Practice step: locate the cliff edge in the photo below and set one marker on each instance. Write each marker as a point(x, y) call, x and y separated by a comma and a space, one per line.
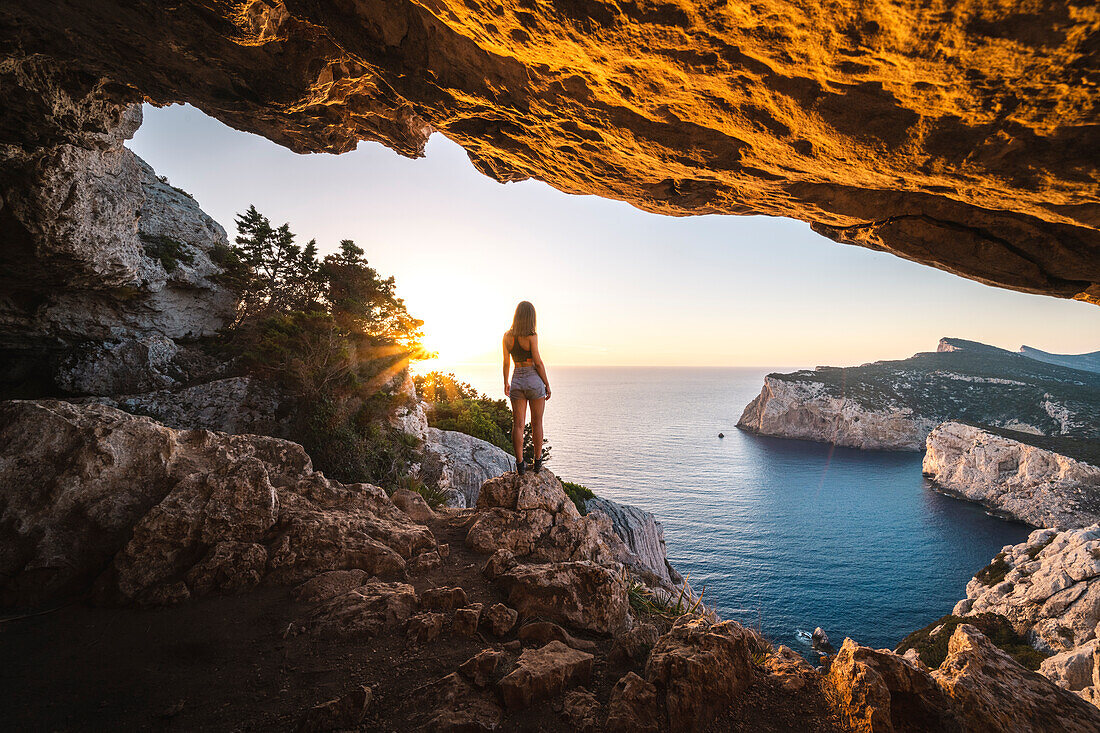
point(894, 405)
point(1008, 473)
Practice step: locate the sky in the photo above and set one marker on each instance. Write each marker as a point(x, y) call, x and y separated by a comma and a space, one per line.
point(612, 285)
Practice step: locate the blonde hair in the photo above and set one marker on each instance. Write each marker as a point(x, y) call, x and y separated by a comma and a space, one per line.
point(523, 322)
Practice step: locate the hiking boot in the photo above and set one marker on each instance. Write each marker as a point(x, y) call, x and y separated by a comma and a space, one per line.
point(521, 468)
point(538, 465)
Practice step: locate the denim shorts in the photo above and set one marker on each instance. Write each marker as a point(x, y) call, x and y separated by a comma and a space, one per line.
point(526, 384)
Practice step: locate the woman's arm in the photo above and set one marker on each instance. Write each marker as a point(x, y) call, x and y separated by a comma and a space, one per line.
point(507, 358)
point(539, 366)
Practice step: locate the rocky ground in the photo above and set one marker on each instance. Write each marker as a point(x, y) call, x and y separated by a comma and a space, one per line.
point(196, 580)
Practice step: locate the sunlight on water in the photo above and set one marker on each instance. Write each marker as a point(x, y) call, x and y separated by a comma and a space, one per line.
point(787, 535)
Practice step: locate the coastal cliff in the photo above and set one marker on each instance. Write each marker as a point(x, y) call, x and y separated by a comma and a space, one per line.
point(894, 405)
point(806, 410)
point(1007, 473)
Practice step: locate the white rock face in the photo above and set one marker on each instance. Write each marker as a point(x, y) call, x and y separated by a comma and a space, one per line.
point(1051, 592)
point(642, 533)
point(804, 410)
point(1034, 485)
point(460, 464)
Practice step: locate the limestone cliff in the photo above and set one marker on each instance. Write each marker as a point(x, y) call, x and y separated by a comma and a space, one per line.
point(643, 535)
point(962, 137)
point(806, 410)
point(894, 405)
point(1027, 482)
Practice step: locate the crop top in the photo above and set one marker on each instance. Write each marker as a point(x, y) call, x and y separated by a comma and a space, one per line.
point(518, 352)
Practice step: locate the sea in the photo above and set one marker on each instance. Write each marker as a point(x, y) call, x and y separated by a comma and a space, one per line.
point(781, 535)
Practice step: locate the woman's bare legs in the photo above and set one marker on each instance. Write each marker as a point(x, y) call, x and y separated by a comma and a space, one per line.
point(537, 407)
point(519, 419)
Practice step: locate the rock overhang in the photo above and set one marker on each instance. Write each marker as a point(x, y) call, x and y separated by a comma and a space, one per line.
point(964, 139)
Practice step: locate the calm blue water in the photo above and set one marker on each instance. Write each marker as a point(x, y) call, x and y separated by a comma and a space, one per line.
point(787, 535)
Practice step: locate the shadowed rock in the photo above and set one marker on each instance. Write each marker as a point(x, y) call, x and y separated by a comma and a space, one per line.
point(156, 515)
point(545, 672)
point(699, 668)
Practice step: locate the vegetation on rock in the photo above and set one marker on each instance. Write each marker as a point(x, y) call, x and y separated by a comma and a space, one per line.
point(579, 494)
point(931, 641)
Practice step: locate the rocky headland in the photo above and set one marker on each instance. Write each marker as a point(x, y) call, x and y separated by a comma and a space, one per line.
point(1018, 474)
point(895, 405)
point(1049, 590)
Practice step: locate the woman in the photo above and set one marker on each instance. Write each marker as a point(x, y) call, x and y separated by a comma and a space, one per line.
point(529, 382)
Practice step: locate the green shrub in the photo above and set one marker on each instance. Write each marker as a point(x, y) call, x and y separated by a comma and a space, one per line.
point(933, 649)
point(479, 417)
point(994, 572)
point(579, 494)
point(433, 495)
point(352, 446)
point(166, 250)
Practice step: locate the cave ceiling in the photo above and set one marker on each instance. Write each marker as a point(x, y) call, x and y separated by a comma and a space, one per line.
point(962, 135)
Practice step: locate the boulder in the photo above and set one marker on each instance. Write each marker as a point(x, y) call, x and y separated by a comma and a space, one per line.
point(545, 672)
point(227, 567)
point(876, 690)
point(152, 514)
point(699, 669)
point(363, 612)
point(458, 463)
point(501, 562)
point(326, 585)
point(538, 633)
point(424, 627)
point(459, 707)
point(500, 619)
point(581, 594)
point(990, 691)
point(340, 714)
point(425, 562)
point(231, 405)
point(633, 646)
point(581, 710)
point(820, 641)
point(789, 669)
point(1072, 670)
point(443, 599)
point(643, 535)
point(466, 620)
point(633, 706)
point(414, 505)
point(481, 667)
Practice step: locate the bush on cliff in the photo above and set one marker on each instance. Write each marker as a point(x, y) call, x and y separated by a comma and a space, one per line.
point(332, 333)
point(932, 648)
point(579, 494)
